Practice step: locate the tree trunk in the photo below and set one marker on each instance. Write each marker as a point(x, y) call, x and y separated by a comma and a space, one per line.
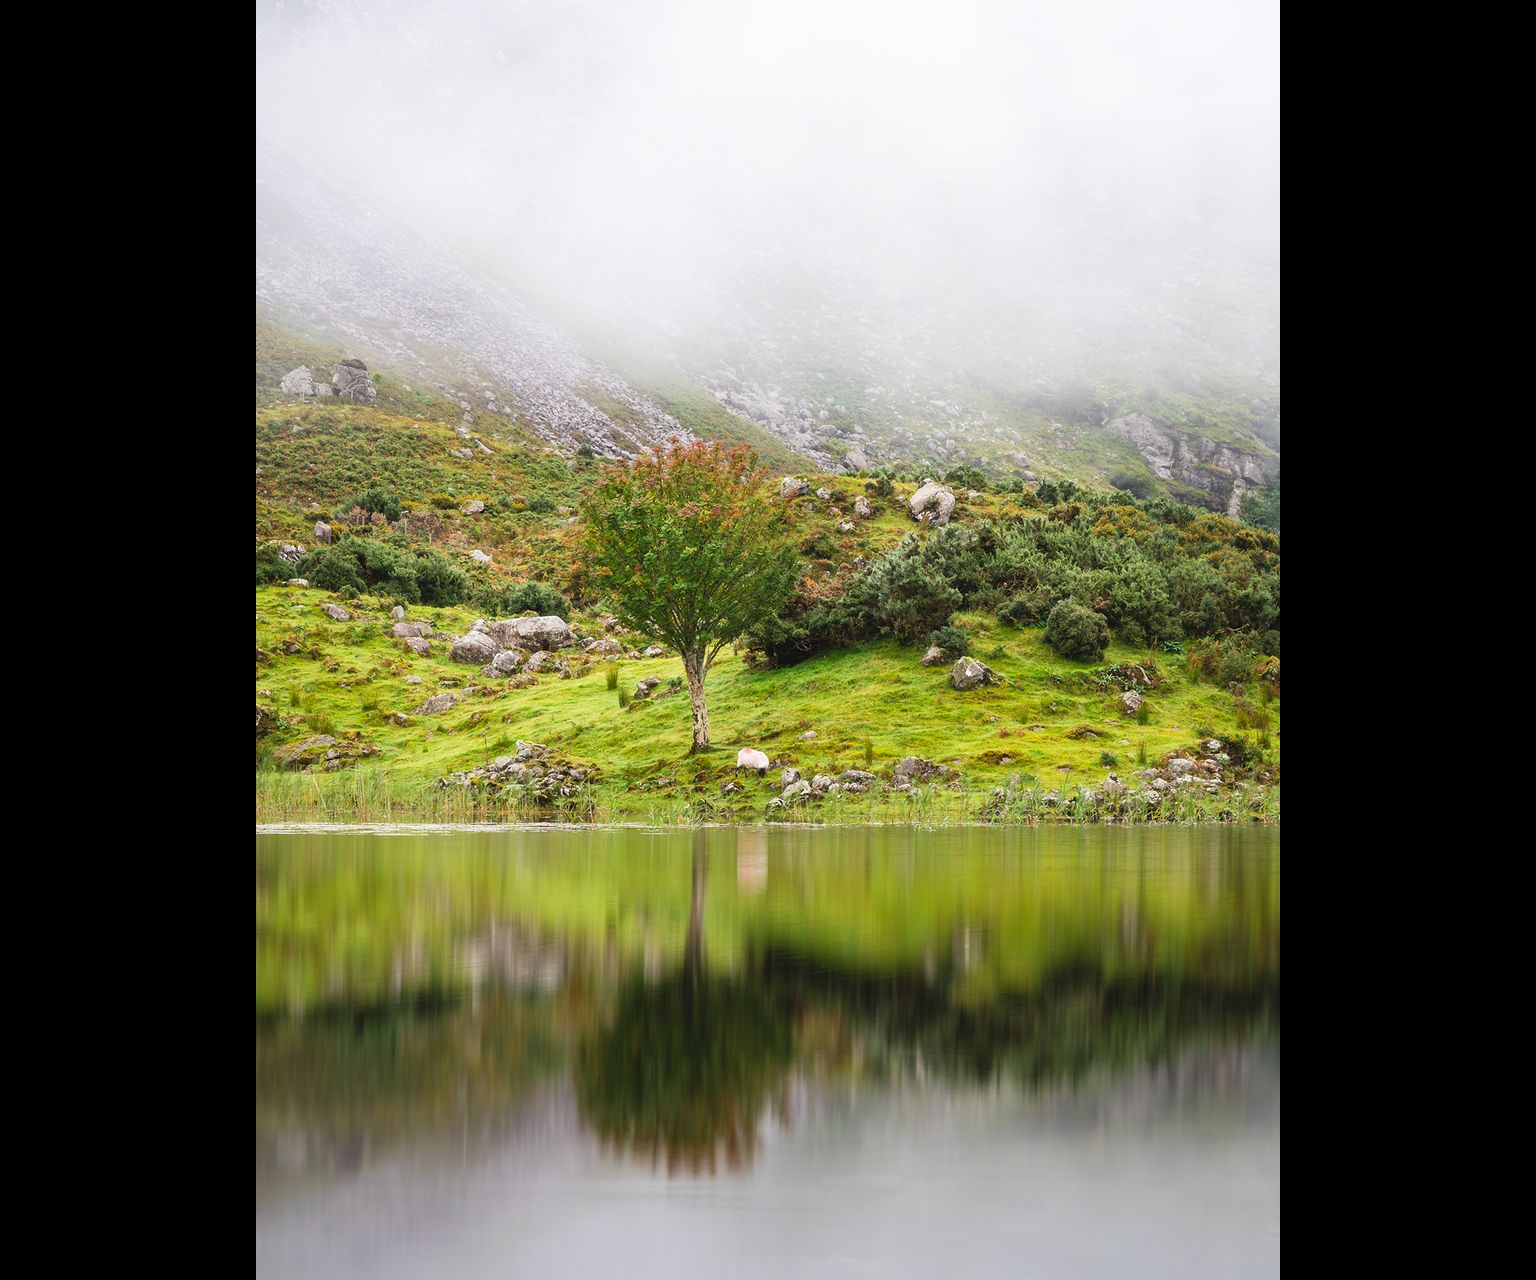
point(693, 947)
point(693, 665)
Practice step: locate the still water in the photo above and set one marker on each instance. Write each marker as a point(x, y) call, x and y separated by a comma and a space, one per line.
point(1026, 1053)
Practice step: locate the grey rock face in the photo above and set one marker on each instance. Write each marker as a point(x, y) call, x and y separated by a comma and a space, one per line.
point(935, 498)
point(335, 611)
point(1130, 701)
point(476, 648)
point(436, 704)
point(298, 382)
point(643, 687)
point(473, 508)
point(790, 487)
point(795, 791)
point(970, 674)
point(1175, 454)
point(654, 651)
point(351, 382)
point(547, 632)
point(409, 630)
point(790, 775)
point(417, 645)
point(856, 461)
point(824, 494)
point(480, 557)
point(322, 533)
point(505, 663)
point(934, 657)
point(915, 769)
point(862, 509)
point(397, 613)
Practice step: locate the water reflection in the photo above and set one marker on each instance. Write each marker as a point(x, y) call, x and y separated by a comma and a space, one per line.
point(439, 994)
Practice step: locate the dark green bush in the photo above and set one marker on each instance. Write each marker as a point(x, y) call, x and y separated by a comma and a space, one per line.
point(1076, 632)
point(953, 640)
point(375, 499)
point(506, 601)
point(333, 568)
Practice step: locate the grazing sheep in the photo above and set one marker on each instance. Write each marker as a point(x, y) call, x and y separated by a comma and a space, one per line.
point(747, 758)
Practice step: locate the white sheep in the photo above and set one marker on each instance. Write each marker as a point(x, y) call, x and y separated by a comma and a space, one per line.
point(748, 758)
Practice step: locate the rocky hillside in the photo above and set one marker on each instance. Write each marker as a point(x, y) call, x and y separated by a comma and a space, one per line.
point(827, 384)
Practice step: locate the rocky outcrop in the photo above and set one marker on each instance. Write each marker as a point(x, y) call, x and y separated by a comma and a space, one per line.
point(436, 704)
point(534, 772)
point(505, 663)
point(352, 383)
point(477, 648)
point(934, 657)
point(933, 498)
point(322, 532)
point(913, 769)
point(791, 487)
point(546, 632)
point(336, 612)
point(862, 509)
point(970, 674)
point(407, 630)
point(1172, 453)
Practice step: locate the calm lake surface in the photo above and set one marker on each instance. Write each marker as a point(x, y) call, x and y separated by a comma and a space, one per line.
point(1024, 1052)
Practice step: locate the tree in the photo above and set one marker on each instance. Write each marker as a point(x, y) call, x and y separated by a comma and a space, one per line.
point(688, 541)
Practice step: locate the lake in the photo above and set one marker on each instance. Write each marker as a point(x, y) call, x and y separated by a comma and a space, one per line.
point(1043, 1052)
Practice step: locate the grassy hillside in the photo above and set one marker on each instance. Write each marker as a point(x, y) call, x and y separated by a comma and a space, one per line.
point(1052, 725)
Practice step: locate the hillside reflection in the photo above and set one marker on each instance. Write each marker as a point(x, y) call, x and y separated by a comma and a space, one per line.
point(677, 990)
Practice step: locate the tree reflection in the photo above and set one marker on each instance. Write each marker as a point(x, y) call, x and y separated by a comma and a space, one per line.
point(689, 1064)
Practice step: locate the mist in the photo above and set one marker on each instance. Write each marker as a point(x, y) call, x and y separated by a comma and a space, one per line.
point(979, 181)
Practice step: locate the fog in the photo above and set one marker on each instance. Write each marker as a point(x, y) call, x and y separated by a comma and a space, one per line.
point(678, 174)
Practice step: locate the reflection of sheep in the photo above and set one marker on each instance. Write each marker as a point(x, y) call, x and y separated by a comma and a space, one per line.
point(747, 758)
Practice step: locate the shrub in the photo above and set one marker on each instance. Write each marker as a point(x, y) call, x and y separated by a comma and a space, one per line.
point(953, 640)
point(376, 499)
point(1109, 759)
point(507, 601)
point(1076, 632)
point(269, 566)
point(332, 568)
point(966, 476)
point(819, 546)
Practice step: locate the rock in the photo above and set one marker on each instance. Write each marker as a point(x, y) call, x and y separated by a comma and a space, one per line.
point(505, 663)
point(789, 776)
point(862, 509)
point(820, 783)
point(336, 611)
point(824, 494)
point(1212, 744)
point(807, 735)
point(290, 554)
point(414, 680)
point(933, 497)
point(397, 613)
point(855, 460)
point(476, 648)
point(473, 508)
point(795, 791)
point(790, 487)
point(934, 657)
point(422, 648)
point(436, 704)
point(298, 382)
point(915, 769)
point(654, 651)
point(351, 382)
point(265, 722)
point(643, 687)
point(406, 630)
point(322, 532)
point(969, 674)
point(298, 582)
point(1131, 701)
point(479, 557)
point(399, 718)
point(541, 660)
point(845, 526)
point(604, 646)
point(750, 758)
point(1179, 767)
point(855, 780)
point(547, 632)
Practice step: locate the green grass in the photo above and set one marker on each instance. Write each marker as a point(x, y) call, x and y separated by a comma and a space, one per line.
point(869, 706)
